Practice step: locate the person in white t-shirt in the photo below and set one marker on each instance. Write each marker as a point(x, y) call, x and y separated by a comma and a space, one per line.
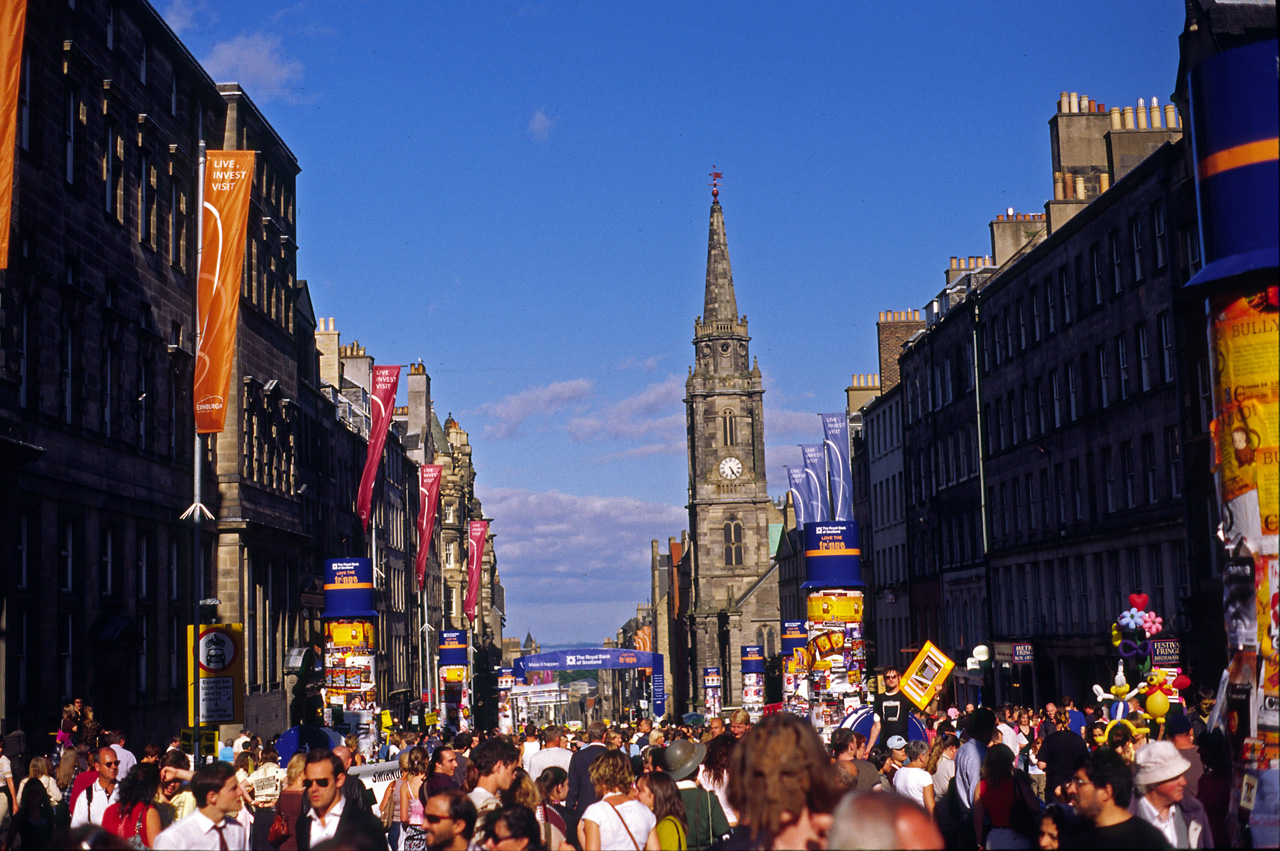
point(912, 780)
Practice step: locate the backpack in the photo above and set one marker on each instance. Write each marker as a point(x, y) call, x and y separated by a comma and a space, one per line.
point(36, 806)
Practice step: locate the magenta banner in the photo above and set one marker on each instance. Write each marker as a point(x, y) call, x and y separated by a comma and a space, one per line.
point(382, 403)
point(428, 496)
point(477, 532)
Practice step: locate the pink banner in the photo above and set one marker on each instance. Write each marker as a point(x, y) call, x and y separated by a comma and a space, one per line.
point(382, 403)
point(428, 497)
point(477, 532)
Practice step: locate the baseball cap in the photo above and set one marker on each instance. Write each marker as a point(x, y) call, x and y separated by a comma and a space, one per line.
point(896, 743)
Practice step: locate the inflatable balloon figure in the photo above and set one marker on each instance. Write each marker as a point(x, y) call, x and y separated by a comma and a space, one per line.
point(1131, 634)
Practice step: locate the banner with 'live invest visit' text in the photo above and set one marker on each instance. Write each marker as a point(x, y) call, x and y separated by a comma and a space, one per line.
point(224, 220)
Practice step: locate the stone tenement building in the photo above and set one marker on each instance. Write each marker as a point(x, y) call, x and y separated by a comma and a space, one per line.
point(730, 512)
point(95, 407)
point(1046, 486)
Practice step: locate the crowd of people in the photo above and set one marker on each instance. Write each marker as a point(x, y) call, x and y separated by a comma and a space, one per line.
point(1011, 777)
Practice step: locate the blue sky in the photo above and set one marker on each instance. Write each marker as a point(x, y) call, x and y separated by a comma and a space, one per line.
point(516, 194)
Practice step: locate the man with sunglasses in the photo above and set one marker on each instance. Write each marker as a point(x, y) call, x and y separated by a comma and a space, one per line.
point(450, 820)
point(891, 711)
point(331, 814)
point(93, 802)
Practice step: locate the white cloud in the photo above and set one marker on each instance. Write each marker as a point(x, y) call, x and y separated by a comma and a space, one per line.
point(540, 126)
point(656, 412)
point(643, 364)
point(181, 15)
point(257, 63)
point(575, 567)
point(804, 426)
point(513, 410)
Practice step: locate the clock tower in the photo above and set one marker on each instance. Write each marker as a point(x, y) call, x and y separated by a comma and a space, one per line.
point(735, 587)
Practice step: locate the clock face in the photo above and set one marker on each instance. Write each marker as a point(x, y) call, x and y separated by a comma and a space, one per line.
point(730, 468)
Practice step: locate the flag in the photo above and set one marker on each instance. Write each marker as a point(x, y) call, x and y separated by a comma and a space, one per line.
point(836, 431)
point(799, 495)
point(223, 224)
point(477, 532)
point(13, 23)
point(815, 470)
point(428, 496)
point(382, 402)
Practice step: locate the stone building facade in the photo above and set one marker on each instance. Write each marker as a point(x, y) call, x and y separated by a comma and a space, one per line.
point(729, 507)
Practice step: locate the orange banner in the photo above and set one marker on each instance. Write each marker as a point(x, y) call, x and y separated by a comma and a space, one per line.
point(13, 22)
point(224, 220)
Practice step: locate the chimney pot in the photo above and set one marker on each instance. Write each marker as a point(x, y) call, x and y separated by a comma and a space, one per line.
point(1142, 114)
point(1104, 181)
point(1170, 116)
point(1063, 101)
point(1080, 186)
point(1128, 118)
point(1115, 118)
point(1074, 103)
point(1068, 186)
point(1058, 191)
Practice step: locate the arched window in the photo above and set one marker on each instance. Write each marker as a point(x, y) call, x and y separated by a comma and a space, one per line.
point(729, 426)
point(733, 543)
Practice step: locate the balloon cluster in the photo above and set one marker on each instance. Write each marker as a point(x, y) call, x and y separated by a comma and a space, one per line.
point(1131, 634)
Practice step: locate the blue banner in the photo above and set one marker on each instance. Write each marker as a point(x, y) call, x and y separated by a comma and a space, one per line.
point(597, 658)
point(752, 659)
point(453, 648)
point(348, 588)
point(815, 472)
point(799, 495)
point(794, 635)
point(1233, 131)
point(832, 555)
point(835, 428)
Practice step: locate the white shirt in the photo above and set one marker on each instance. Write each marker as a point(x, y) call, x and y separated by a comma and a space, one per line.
point(127, 761)
point(92, 803)
point(638, 819)
point(196, 832)
point(1164, 824)
point(910, 782)
point(320, 832)
point(238, 744)
point(546, 758)
point(531, 749)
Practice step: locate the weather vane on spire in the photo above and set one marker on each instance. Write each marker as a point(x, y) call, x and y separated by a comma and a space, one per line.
point(716, 177)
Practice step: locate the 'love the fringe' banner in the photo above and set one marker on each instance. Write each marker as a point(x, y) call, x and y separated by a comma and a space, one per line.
point(224, 221)
point(382, 402)
point(428, 498)
point(13, 22)
point(477, 532)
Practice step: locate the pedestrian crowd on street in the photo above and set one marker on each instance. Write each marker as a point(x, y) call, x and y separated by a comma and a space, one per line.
point(1009, 777)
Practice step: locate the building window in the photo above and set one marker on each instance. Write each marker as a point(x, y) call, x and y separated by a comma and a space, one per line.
point(1135, 233)
point(1032, 504)
point(1035, 315)
point(1027, 421)
point(1072, 400)
point(1064, 282)
point(1049, 306)
point(144, 565)
point(1077, 494)
point(1164, 322)
point(1117, 260)
point(1017, 504)
point(1122, 366)
point(1191, 244)
point(1061, 486)
point(70, 120)
point(22, 550)
point(1022, 326)
point(1108, 481)
point(1135, 570)
point(143, 650)
point(23, 356)
point(1144, 358)
point(110, 561)
point(66, 654)
point(1149, 467)
point(1181, 576)
point(1173, 460)
point(108, 389)
point(175, 567)
point(69, 557)
point(733, 543)
point(1004, 508)
point(1157, 231)
point(67, 373)
point(1099, 286)
point(1204, 393)
point(729, 428)
point(147, 203)
point(1057, 398)
point(1129, 473)
point(1104, 380)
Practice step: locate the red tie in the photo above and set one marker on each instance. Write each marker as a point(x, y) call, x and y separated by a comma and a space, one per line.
point(222, 837)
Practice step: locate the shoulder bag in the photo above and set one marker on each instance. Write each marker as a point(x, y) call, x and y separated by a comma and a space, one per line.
point(625, 827)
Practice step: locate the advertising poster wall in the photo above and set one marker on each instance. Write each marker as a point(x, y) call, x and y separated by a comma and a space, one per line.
point(836, 654)
point(350, 666)
point(711, 683)
point(753, 680)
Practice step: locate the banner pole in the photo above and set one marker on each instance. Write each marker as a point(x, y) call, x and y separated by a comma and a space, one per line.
point(197, 508)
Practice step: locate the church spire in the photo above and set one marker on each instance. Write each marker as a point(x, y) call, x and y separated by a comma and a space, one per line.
point(720, 304)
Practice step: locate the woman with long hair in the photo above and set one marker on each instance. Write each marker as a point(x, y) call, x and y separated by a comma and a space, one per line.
point(291, 802)
point(90, 732)
point(33, 815)
point(1000, 796)
point(941, 762)
point(134, 816)
point(413, 832)
point(527, 793)
point(713, 773)
point(659, 792)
